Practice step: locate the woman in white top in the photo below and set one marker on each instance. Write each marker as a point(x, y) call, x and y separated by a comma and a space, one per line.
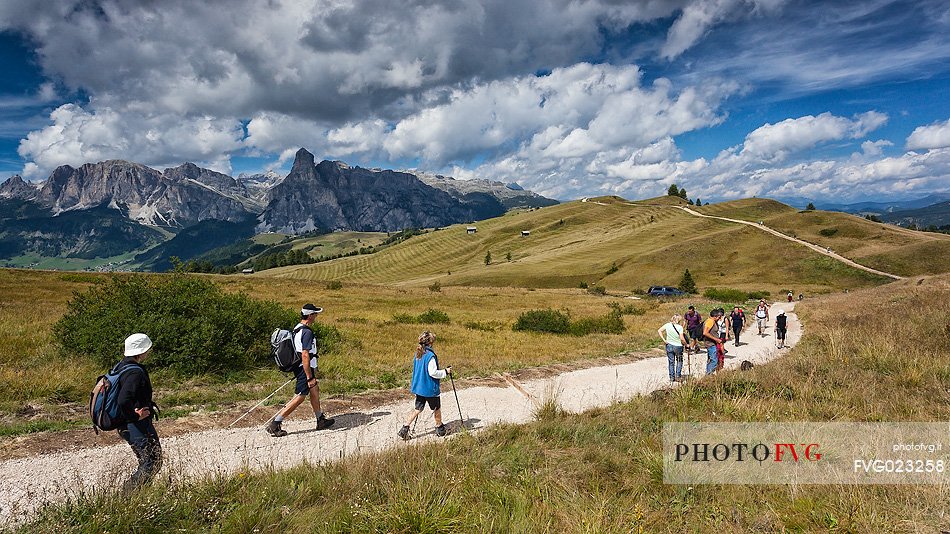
point(672, 335)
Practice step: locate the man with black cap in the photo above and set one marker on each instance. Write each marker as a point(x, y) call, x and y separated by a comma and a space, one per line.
point(305, 343)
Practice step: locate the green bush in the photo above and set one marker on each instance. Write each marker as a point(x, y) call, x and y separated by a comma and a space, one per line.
point(334, 285)
point(555, 322)
point(828, 232)
point(550, 321)
point(725, 294)
point(597, 290)
point(195, 326)
point(430, 316)
point(612, 323)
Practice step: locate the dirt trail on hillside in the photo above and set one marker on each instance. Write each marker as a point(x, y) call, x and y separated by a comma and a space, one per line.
point(28, 483)
point(812, 246)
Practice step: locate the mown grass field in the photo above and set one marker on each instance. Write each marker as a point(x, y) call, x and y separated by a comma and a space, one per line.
point(601, 471)
point(881, 246)
point(605, 241)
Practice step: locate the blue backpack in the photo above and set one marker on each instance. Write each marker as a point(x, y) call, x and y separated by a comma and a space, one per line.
point(103, 402)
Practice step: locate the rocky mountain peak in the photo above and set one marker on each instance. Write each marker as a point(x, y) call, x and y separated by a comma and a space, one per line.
point(303, 160)
point(17, 187)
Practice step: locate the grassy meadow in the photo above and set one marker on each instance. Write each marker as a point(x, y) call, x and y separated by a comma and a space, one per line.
point(601, 471)
point(44, 386)
point(606, 241)
point(881, 246)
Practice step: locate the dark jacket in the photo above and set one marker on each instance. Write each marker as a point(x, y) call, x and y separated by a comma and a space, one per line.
point(135, 390)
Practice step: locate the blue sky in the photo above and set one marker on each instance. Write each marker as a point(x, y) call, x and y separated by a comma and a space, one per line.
point(729, 98)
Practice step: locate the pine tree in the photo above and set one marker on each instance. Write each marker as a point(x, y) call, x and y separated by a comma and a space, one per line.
point(673, 191)
point(810, 207)
point(699, 202)
point(687, 284)
point(683, 193)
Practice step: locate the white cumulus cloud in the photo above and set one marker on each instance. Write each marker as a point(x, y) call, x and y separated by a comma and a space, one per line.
point(77, 136)
point(929, 137)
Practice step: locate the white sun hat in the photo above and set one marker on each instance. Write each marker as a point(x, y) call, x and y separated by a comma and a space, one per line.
point(137, 344)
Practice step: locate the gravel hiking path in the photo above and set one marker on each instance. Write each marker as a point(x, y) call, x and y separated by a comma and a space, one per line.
point(28, 483)
point(816, 248)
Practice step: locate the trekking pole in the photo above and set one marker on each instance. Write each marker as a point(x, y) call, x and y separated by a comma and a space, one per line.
point(459, 406)
point(262, 402)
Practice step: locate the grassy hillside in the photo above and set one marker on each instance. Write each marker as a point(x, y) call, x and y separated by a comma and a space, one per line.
point(601, 471)
point(603, 241)
point(881, 246)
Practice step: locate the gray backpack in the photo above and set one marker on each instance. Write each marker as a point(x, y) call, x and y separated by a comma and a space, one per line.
point(282, 348)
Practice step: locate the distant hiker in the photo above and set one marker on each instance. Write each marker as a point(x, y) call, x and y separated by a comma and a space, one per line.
point(136, 407)
point(737, 319)
point(761, 315)
point(723, 335)
point(425, 384)
point(781, 327)
point(725, 324)
point(790, 296)
point(712, 339)
point(673, 337)
point(694, 327)
point(800, 296)
point(305, 344)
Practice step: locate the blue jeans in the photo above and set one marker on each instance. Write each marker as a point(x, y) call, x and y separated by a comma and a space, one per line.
point(674, 354)
point(143, 439)
point(712, 359)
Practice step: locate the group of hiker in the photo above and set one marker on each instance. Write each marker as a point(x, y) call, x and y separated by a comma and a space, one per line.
point(133, 409)
point(689, 334)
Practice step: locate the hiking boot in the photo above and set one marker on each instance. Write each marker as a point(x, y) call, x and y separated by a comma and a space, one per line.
point(403, 433)
point(440, 431)
point(273, 428)
point(324, 422)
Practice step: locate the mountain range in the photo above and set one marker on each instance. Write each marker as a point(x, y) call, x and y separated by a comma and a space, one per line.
point(76, 204)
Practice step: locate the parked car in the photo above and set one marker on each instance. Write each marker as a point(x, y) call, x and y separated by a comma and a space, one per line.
point(664, 291)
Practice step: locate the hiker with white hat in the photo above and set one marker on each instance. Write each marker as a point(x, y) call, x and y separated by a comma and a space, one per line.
point(137, 410)
point(305, 344)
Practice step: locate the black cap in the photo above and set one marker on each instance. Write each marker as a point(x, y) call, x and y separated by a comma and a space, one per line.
point(310, 309)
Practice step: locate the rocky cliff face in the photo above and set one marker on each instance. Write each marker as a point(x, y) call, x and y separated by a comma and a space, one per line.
point(216, 181)
point(16, 187)
point(510, 195)
point(183, 197)
point(326, 196)
point(334, 196)
point(258, 185)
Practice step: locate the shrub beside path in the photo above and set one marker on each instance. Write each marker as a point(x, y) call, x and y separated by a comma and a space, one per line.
point(816, 248)
point(28, 483)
